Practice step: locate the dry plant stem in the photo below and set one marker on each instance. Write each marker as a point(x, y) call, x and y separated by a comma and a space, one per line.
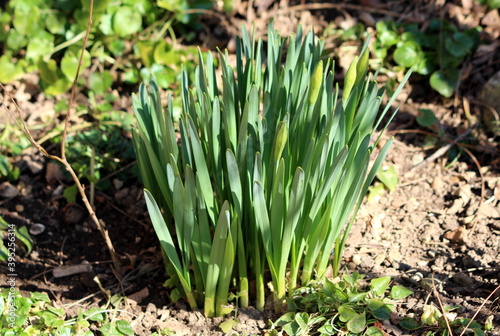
point(438, 297)
point(479, 309)
point(73, 87)
point(440, 152)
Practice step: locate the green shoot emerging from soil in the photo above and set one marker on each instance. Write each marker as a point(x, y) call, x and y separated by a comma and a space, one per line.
point(271, 166)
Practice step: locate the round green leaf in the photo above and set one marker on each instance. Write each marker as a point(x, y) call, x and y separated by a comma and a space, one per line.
point(162, 52)
point(426, 118)
point(426, 65)
point(7, 69)
point(116, 46)
point(40, 45)
point(379, 285)
point(459, 44)
point(347, 313)
point(100, 82)
point(399, 292)
point(357, 324)
point(60, 86)
point(48, 71)
point(55, 23)
point(373, 331)
point(444, 82)
point(407, 54)
point(409, 323)
point(126, 21)
point(124, 327)
point(131, 76)
point(15, 41)
point(27, 18)
point(388, 38)
point(69, 63)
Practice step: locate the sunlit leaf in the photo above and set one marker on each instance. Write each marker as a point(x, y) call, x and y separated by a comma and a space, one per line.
point(445, 82)
point(407, 54)
point(69, 63)
point(126, 21)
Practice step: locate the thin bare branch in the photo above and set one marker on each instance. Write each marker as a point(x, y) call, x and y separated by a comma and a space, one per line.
point(73, 88)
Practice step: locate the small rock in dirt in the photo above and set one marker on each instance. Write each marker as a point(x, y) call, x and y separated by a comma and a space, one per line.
point(73, 213)
point(463, 279)
point(7, 190)
point(34, 162)
point(37, 229)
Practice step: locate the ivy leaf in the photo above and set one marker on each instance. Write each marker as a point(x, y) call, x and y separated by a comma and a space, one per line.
point(126, 21)
point(444, 82)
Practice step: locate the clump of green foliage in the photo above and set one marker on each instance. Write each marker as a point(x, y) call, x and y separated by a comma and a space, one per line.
point(436, 52)
point(47, 36)
point(341, 306)
point(271, 165)
point(35, 315)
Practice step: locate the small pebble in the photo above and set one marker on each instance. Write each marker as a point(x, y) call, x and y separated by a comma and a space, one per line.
point(422, 263)
point(19, 208)
point(356, 259)
point(37, 229)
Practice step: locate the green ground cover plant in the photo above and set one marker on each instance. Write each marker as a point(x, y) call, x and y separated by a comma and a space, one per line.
point(342, 306)
point(436, 52)
point(127, 41)
point(36, 315)
point(271, 165)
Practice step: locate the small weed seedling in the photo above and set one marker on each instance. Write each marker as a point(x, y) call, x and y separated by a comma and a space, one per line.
point(21, 316)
